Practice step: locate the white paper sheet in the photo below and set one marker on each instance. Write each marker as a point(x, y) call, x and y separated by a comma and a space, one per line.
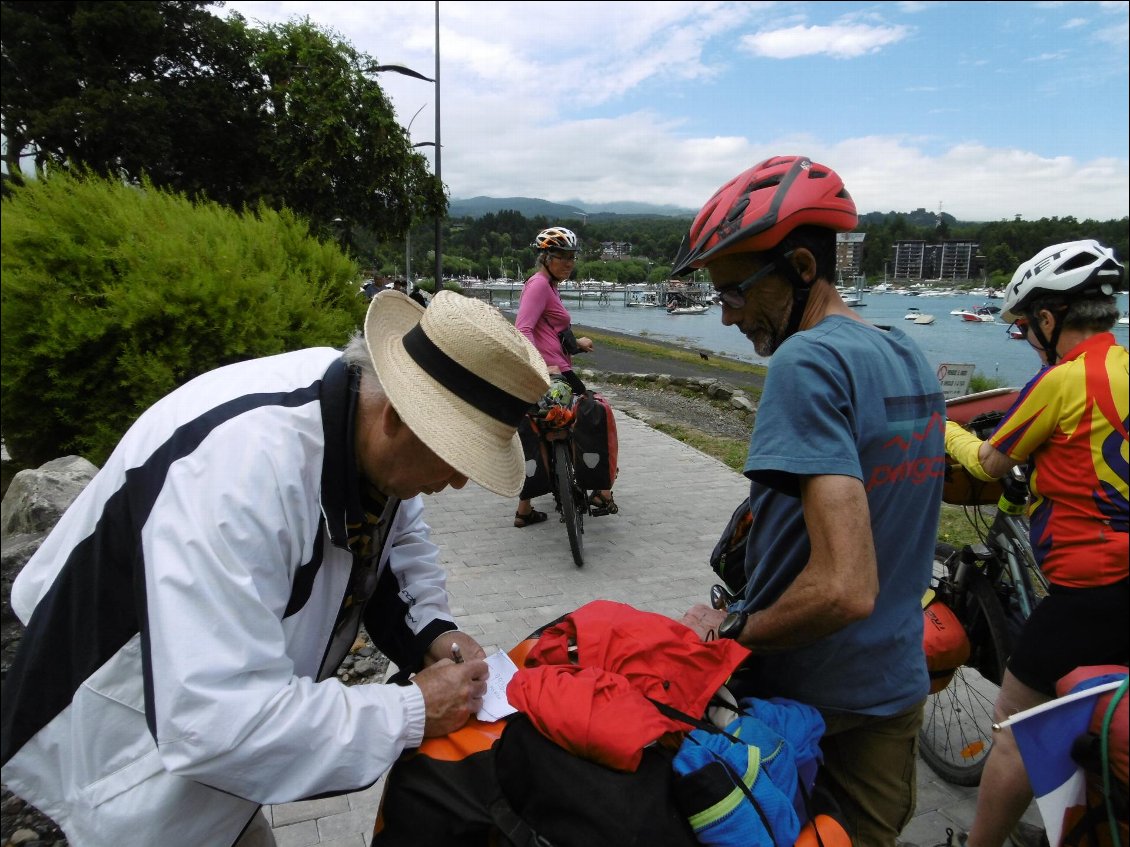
point(495, 704)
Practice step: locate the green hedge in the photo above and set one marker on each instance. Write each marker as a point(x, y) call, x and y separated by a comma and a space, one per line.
point(113, 295)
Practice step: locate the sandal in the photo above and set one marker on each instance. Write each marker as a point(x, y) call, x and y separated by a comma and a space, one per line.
point(532, 517)
point(600, 505)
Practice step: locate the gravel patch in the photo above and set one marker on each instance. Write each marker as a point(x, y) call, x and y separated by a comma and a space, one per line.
point(653, 404)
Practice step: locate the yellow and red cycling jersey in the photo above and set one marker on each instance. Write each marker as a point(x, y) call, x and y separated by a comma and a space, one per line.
point(1070, 424)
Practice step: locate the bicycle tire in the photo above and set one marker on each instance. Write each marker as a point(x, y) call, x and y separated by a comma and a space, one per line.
point(567, 499)
point(957, 723)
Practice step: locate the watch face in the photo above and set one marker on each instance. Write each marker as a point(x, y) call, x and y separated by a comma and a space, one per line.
point(732, 625)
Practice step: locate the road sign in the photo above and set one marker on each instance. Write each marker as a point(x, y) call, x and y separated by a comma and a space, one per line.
point(955, 379)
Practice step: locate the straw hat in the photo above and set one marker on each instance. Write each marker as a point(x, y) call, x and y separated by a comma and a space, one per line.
point(461, 376)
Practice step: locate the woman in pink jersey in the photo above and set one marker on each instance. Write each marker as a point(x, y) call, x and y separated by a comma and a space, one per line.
point(542, 318)
point(1070, 426)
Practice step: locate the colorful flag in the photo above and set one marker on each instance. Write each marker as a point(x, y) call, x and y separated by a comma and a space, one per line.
point(1044, 735)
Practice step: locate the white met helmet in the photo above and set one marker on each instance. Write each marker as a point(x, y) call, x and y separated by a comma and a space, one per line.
point(556, 238)
point(1075, 266)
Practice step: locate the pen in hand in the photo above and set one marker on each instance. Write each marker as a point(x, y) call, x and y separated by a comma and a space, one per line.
point(456, 653)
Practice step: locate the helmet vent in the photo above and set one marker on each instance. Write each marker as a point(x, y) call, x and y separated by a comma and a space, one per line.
point(1079, 260)
point(738, 210)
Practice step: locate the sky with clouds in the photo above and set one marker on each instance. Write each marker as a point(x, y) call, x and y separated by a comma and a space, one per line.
point(985, 110)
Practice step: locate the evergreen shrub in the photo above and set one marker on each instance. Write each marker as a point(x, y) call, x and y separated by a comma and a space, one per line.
point(112, 295)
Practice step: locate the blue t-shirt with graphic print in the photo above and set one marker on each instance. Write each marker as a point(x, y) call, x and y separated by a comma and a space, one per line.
point(847, 398)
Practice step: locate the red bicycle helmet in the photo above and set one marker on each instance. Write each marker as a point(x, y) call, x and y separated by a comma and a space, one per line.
point(755, 210)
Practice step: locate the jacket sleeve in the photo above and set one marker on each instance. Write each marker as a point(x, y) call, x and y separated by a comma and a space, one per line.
point(409, 608)
point(232, 701)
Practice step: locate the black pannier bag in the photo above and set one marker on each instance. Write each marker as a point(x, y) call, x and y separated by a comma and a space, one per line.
point(595, 443)
point(537, 480)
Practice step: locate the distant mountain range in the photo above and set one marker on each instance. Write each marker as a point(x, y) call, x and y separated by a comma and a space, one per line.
point(531, 207)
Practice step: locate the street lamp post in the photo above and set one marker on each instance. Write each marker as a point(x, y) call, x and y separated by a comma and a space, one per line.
point(401, 69)
point(439, 171)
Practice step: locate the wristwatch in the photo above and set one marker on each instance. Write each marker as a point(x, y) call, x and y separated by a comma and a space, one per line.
point(732, 625)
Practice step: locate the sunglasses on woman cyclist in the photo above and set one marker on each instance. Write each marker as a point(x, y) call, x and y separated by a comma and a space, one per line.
point(564, 257)
point(733, 296)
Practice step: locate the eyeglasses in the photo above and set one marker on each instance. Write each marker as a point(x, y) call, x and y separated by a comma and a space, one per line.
point(1018, 328)
point(563, 257)
point(734, 295)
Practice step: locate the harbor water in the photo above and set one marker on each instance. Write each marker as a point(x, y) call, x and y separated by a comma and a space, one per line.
point(948, 340)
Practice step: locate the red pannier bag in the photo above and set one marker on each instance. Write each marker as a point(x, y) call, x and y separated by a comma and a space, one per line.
point(945, 642)
point(595, 443)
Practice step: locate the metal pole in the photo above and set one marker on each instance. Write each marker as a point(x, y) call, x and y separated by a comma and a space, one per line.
point(408, 258)
point(439, 170)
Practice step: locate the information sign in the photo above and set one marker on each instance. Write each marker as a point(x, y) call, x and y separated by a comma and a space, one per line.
point(955, 379)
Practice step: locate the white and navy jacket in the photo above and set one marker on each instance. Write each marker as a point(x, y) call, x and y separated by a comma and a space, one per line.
point(180, 618)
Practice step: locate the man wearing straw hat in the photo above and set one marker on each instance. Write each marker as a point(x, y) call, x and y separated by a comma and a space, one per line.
point(187, 614)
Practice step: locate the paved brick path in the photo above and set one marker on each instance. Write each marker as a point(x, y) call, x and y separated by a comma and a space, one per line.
point(505, 582)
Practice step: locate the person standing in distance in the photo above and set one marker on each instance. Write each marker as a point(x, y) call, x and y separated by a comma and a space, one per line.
point(542, 318)
point(846, 469)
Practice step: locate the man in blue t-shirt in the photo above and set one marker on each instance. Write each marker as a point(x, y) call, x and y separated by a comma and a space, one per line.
point(846, 467)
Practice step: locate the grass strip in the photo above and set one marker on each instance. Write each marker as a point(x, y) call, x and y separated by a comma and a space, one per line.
point(654, 350)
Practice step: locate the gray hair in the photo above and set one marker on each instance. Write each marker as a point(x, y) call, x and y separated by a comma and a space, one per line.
point(356, 355)
point(1088, 313)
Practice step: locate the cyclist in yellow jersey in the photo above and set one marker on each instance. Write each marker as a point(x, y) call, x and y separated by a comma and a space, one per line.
point(1070, 425)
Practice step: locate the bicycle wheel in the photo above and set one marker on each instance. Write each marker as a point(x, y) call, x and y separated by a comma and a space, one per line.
point(957, 726)
point(568, 499)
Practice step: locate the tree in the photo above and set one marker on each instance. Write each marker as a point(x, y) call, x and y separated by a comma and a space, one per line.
point(291, 115)
point(129, 88)
point(335, 150)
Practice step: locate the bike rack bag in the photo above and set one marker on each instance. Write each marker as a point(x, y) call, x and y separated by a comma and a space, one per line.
point(945, 642)
point(595, 443)
point(537, 472)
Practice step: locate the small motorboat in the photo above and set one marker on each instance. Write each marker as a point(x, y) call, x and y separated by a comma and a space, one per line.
point(674, 309)
point(982, 314)
point(924, 319)
point(912, 313)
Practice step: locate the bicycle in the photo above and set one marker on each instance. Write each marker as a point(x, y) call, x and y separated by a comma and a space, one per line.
point(992, 587)
point(552, 420)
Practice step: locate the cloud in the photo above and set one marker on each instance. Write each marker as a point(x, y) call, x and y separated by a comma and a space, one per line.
point(1117, 34)
point(840, 41)
point(1075, 23)
point(644, 157)
point(612, 102)
point(976, 182)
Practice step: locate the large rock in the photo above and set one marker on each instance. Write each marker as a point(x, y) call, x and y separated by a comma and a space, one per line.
point(33, 504)
point(37, 498)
